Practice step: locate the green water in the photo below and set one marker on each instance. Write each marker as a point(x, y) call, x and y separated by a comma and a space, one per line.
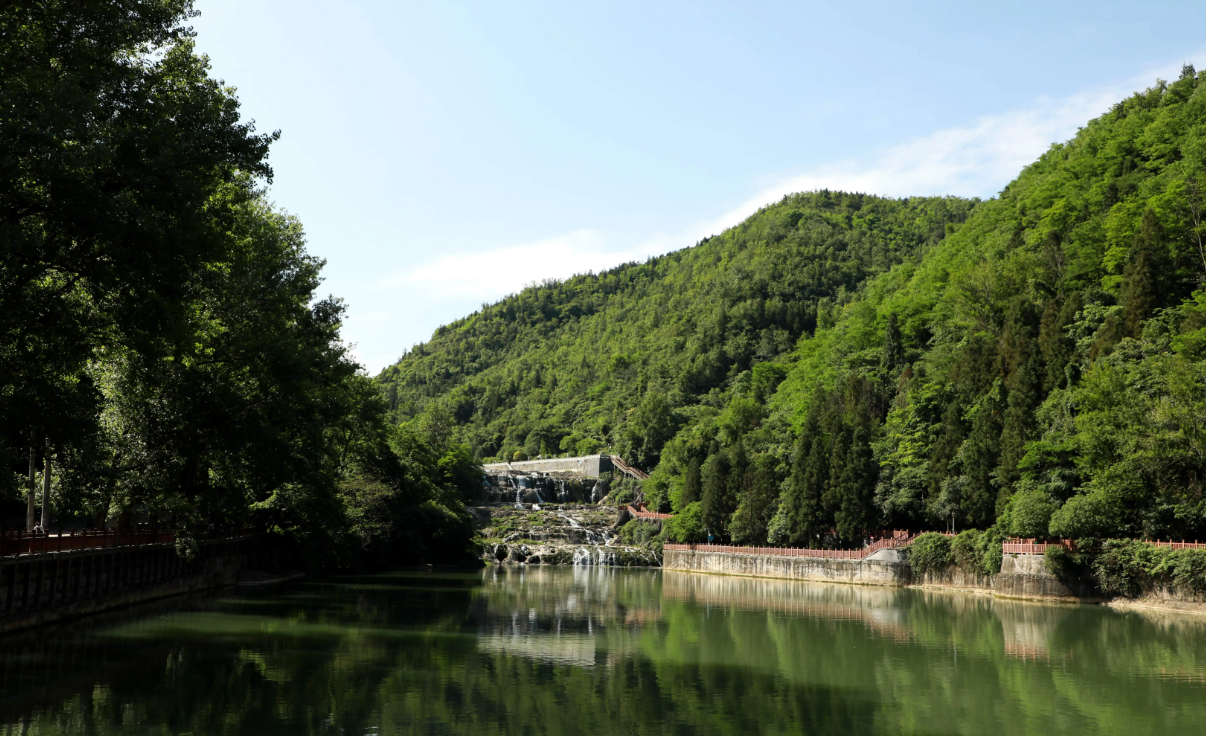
point(609, 651)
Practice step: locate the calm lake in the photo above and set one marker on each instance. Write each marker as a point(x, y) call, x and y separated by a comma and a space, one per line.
point(562, 650)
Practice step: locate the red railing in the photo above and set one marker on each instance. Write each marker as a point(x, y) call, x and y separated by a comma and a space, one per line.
point(643, 514)
point(1179, 545)
point(1031, 547)
point(26, 543)
point(899, 538)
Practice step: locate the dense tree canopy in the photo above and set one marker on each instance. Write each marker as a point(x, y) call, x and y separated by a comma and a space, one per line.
point(160, 334)
point(625, 359)
point(840, 363)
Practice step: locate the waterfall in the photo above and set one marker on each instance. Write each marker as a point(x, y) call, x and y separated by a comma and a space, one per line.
point(593, 557)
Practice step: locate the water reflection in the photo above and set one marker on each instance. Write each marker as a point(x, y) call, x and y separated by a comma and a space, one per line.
point(596, 650)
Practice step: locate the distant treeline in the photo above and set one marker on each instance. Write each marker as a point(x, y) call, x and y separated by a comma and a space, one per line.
point(161, 338)
point(1034, 364)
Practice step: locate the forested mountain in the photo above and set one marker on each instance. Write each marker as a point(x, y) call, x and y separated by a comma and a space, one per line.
point(623, 360)
point(162, 347)
point(1035, 363)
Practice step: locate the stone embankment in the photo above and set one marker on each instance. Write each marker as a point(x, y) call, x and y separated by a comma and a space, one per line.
point(1022, 576)
point(885, 567)
point(557, 534)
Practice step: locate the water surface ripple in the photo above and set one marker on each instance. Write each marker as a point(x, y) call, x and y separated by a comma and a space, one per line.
point(560, 650)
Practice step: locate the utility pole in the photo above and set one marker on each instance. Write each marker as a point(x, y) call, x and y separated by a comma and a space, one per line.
point(29, 504)
point(46, 492)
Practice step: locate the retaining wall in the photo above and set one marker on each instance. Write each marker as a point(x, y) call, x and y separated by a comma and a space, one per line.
point(885, 567)
point(1022, 576)
point(1026, 576)
point(45, 588)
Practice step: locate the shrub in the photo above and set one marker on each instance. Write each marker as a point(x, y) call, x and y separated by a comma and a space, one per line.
point(1088, 515)
point(686, 526)
point(639, 532)
point(1187, 571)
point(978, 552)
point(1132, 567)
point(989, 547)
point(966, 553)
point(1066, 565)
point(1125, 566)
point(930, 552)
point(1030, 513)
point(519, 456)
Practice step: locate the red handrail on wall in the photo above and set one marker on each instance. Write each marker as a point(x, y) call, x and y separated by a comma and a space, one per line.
point(642, 514)
point(899, 538)
point(27, 543)
point(1031, 547)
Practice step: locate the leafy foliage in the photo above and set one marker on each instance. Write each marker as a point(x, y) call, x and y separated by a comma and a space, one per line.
point(625, 360)
point(930, 552)
point(160, 334)
point(1132, 568)
point(1034, 364)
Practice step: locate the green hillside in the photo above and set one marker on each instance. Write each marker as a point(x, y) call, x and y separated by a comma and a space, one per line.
point(838, 363)
point(623, 360)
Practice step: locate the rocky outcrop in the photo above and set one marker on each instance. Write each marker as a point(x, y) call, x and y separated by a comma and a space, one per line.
point(558, 534)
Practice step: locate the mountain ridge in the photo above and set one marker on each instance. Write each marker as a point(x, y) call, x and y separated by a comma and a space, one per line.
point(839, 361)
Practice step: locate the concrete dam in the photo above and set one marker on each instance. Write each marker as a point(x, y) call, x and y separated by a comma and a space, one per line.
point(587, 466)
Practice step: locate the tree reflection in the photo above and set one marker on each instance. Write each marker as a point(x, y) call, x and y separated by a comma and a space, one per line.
point(588, 650)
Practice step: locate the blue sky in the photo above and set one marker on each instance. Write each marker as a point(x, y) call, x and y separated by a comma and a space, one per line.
point(445, 154)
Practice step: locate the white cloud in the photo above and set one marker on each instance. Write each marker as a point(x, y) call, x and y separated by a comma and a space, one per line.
point(491, 274)
point(975, 160)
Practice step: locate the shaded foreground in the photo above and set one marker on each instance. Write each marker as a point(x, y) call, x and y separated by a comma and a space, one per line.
point(599, 650)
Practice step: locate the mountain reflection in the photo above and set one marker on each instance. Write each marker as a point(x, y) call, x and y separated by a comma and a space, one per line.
point(597, 650)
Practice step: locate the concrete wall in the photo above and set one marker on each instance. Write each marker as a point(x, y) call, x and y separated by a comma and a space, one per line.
point(1026, 576)
point(41, 589)
point(956, 578)
point(1022, 576)
point(878, 569)
point(589, 466)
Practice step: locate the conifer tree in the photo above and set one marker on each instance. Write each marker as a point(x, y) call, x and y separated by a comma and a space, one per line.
point(950, 437)
point(715, 501)
point(1054, 343)
point(752, 518)
point(893, 356)
point(740, 476)
point(839, 448)
point(860, 472)
point(1144, 286)
point(792, 511)
point(1018, 425)
point(813, 522)
point(980, 456)
point(692, 488)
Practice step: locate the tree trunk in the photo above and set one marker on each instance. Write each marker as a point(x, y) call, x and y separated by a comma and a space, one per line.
point(46, 493)
point(29, 504)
